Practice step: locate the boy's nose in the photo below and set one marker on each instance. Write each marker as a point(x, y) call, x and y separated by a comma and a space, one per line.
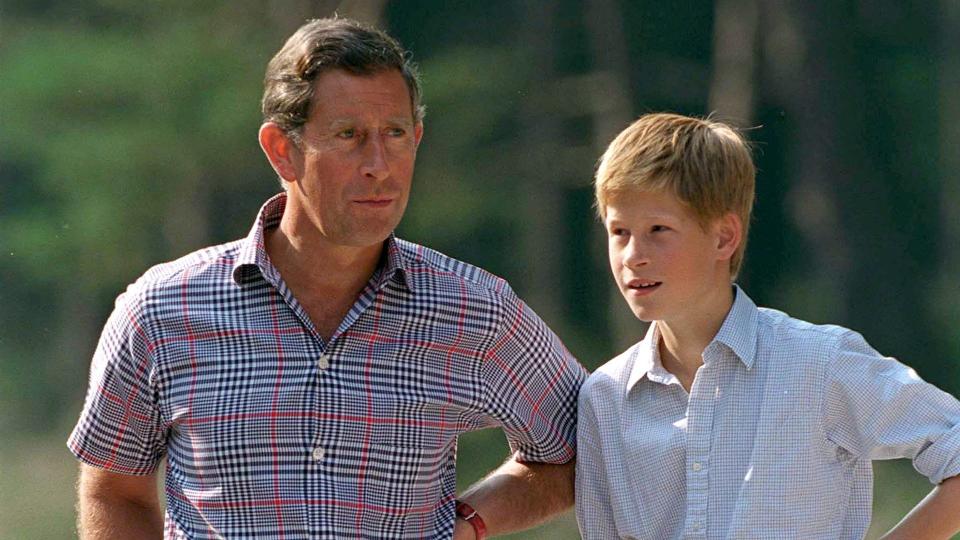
point(635, 254)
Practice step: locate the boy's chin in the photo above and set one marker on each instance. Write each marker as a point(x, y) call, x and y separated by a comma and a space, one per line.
point(644, 315)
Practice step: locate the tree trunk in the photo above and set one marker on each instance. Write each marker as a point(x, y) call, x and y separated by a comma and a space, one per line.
point(541, 202)
point(806, 74)
point(734, 60)
point(946, 297)
point(611, 112)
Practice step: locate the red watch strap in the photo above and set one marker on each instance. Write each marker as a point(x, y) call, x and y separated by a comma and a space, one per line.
point(468, 514)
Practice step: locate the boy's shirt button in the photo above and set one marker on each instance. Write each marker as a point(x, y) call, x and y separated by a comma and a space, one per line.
point(697, 466)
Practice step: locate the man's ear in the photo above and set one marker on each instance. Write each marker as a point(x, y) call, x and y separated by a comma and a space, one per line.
point(417, 133)
point(280, 150)
point(729, 235)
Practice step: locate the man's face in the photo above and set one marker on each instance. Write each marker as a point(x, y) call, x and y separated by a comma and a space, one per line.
point(664, 263)
point(355, 163)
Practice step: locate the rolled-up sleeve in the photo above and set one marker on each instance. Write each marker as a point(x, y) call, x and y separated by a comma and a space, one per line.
point(878, 408)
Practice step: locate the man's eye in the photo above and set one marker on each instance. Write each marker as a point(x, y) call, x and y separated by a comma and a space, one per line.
point(396, 132)
point(346, 133)
point(658, 228)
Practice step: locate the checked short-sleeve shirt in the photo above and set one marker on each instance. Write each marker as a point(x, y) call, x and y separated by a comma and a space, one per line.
point(270, 431)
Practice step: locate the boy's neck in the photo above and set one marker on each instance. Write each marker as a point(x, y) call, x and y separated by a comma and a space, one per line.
point(682, 342)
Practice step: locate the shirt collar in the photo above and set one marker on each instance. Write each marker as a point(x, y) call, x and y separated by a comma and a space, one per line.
point(739, 330)
point(646, 359)
point(252, 257)
point(738, 333)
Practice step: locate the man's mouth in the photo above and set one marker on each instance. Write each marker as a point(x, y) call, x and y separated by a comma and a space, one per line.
point(376, 202)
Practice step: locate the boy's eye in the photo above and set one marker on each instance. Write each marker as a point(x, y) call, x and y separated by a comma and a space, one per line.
point(616, 231)
point(658, 228)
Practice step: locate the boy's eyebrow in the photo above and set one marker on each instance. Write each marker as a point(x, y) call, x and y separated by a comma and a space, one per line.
point(644, 217)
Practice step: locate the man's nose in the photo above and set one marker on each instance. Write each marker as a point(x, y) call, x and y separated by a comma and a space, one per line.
point(375, 164)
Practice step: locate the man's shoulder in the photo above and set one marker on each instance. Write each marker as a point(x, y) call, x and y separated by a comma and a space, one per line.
point(203, 268)
point(435, 270)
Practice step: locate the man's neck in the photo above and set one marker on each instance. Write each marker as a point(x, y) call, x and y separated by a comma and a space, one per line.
point(326, 279)
point(318, 265)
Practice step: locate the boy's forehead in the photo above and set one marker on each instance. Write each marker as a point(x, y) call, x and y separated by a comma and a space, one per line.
point(636, 203)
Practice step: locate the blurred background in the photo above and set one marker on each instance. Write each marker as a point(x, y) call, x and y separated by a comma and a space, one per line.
point(128, 137)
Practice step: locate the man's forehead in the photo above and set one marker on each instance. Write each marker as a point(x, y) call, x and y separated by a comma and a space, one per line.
point(341, 94)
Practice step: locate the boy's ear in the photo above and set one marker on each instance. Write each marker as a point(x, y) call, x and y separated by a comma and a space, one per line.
point(729, 235)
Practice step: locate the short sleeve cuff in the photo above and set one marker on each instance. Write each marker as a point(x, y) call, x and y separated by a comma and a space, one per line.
point(940, 460)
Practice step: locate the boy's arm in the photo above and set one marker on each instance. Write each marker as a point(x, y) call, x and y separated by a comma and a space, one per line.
point(593, 497)
point(594, 508)
point(936, 517)
point(878, 408)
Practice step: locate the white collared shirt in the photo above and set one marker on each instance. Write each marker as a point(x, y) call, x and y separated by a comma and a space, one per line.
point(774, 440)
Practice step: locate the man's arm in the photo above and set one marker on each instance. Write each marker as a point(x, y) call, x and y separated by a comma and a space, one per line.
point(517, 496)
point(937, 516)
point(112, 505)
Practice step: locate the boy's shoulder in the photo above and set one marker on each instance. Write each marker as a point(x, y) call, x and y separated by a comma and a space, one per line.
point(612, 375)
point(783, 326)
point(781, 337)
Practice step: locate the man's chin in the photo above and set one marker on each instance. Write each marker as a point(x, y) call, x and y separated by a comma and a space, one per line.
point(367, 238)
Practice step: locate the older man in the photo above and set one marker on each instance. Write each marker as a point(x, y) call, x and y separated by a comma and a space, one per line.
point(311, 379)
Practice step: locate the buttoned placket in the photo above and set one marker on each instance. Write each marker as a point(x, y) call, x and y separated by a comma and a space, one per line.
point(700, 411)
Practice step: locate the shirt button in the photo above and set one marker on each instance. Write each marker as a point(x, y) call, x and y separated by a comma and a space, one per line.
point(697, 466)
point(323, 362)
point(318, 453)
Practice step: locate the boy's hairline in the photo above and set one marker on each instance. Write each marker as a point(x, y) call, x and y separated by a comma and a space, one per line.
point(701, 217)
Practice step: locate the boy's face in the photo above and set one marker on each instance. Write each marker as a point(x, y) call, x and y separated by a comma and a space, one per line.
point(667, 267)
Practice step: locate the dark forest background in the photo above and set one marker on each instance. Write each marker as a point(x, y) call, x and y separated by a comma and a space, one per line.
point(128, 137)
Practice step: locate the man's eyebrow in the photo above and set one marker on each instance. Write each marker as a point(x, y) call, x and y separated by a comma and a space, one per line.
point(350, 122)
point(401, 120)
point(341, 122)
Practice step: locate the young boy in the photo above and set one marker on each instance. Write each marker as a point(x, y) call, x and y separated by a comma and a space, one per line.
point(728, 420)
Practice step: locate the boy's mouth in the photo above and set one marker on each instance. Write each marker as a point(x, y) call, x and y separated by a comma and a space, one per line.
point(642, 286)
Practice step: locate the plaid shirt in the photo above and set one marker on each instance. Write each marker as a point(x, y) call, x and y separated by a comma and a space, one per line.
point(271, 432)
point(775, 439)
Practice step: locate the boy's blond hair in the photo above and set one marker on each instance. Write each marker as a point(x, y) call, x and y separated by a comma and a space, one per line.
point(704, 163)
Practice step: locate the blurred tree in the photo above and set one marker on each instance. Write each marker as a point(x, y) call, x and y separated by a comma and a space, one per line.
point(117, 144)
point(945, 298)
point(611, 106)
point(735, 29)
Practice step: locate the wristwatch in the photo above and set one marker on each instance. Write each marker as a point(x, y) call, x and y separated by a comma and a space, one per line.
point(468, 514)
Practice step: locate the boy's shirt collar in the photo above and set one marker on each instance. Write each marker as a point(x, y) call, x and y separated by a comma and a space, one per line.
point(738, 333)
